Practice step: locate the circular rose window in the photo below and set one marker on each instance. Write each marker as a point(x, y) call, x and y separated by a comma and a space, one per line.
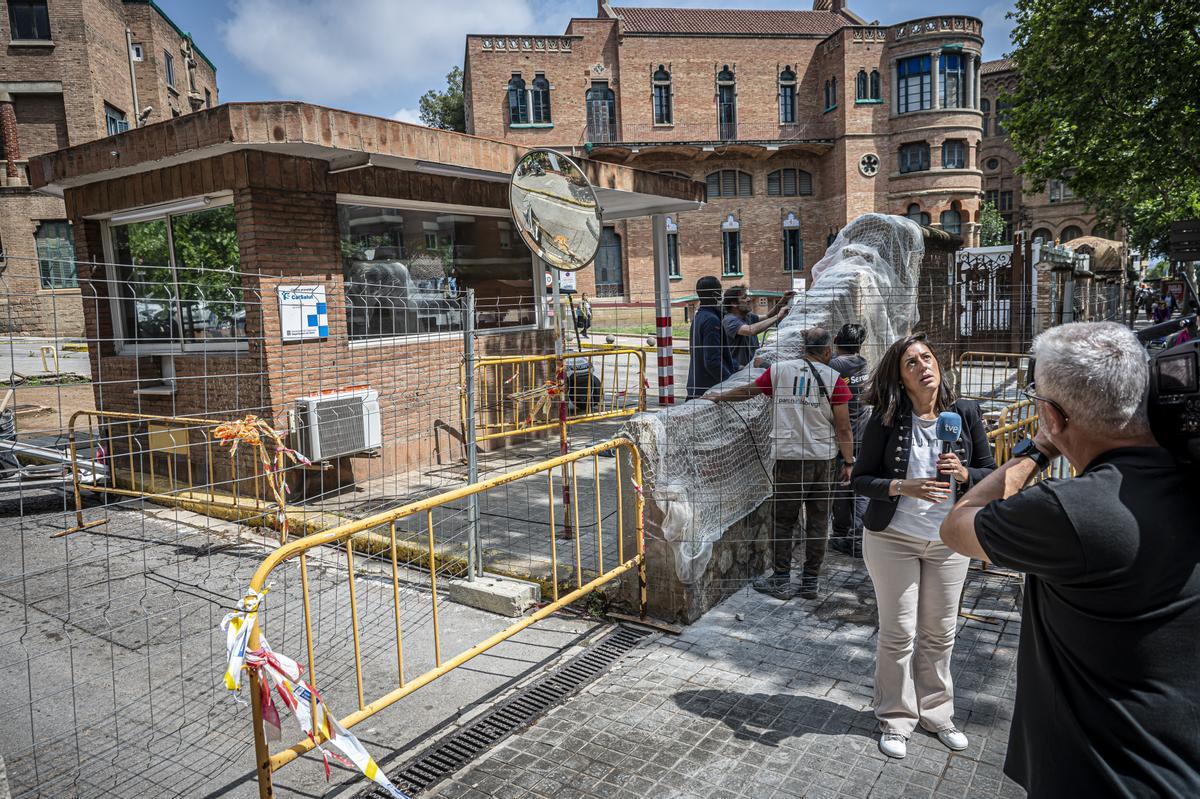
point(869, 165)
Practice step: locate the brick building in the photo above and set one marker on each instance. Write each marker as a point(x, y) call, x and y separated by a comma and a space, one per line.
point(68, 74)
point(388, 221)
point(798, 121)
point(1052, 215)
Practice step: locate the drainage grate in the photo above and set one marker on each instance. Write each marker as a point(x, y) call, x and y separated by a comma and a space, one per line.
point(513, 714)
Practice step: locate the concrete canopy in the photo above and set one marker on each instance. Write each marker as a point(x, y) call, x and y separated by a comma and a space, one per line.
point(347, 141)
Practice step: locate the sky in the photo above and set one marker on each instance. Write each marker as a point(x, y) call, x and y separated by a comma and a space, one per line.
point(379, 56)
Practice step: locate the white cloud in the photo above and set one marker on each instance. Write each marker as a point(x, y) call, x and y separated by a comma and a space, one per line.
point(408, 115)
point(332, 52)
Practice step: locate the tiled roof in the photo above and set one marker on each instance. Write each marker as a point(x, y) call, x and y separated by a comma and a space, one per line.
point(999, 65)
point(729, 21)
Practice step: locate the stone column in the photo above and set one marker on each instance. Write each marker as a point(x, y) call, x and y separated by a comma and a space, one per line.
point(969, 80)
point(934, 69)
point(895, 86)
point(8, 133)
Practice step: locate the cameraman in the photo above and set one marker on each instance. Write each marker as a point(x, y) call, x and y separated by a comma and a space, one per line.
point(1108, 701)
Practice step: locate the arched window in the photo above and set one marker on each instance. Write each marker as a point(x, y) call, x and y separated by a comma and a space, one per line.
point(985, 105)
point(876, 91)
point(954, 154)
point(915, 213)
point(730, 183)
point(726, 104)
point(539, 100)
point(834, 96)
point(731, 239)
point(660, 83)
point(1002, 110)
point(787, 96)
point(862, 88)
point(1069, 233)
point(1044, 234)
point(793, 244)
point(673, 269)
point(952, 221)
point(789, 183)
point(914, 157)
point(828, 97)
point(601, 112)
point(518, 108)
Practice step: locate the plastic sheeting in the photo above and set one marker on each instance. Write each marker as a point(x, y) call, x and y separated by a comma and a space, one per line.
point(707, 465)
point(867, 276)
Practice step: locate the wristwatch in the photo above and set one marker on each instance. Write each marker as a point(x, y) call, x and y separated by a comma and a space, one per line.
point(1025, 448)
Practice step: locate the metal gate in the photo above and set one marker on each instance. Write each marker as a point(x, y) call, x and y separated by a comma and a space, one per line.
point(610, 276)
point(986, 294)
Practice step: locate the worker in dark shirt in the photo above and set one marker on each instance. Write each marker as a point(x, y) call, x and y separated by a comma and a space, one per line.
point(706, 340)
point(1108, 698)
point(741, 325)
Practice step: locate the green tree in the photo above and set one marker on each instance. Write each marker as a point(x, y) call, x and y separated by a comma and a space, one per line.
point(1105, 100)
point(991, 226)
point(445, 110)
point(1159, 270)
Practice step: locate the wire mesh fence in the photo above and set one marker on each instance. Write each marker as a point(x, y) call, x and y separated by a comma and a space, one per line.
point(133, 526)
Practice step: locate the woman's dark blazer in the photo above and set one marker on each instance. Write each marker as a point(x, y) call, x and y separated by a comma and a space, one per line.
point(883, 457)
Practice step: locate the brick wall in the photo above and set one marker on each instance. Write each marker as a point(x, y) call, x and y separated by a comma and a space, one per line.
point(41, 123)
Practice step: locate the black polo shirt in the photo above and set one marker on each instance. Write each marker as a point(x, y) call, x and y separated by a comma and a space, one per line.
point(1108, 674)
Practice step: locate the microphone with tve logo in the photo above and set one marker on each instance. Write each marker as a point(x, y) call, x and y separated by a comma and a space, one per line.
point(948, 430)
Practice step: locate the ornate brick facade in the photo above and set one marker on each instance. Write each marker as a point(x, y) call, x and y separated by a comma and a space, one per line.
point(1053, 214)
point(804, 107)
point(61, 87)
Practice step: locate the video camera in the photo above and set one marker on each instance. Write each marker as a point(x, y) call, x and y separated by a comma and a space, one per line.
point(1174, 402)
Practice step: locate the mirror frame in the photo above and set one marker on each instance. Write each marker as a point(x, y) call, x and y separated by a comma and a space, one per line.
point(529, 239)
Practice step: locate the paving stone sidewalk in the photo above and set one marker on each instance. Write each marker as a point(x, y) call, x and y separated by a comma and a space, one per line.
point(764, 699)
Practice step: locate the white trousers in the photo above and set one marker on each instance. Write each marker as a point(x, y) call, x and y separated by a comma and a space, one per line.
point(918, 585)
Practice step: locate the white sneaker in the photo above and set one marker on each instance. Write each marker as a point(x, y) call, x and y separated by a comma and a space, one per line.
point(952, 738)
point(893, 744)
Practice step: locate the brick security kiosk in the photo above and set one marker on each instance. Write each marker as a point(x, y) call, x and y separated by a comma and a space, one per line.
point(304, 196)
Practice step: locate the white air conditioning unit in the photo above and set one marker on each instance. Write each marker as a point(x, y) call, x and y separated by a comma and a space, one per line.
point(338, 423)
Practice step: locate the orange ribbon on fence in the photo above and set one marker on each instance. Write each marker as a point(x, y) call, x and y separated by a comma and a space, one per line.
point(257, 434)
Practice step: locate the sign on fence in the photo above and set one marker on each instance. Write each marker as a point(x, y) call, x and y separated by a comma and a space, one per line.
point(303, 313)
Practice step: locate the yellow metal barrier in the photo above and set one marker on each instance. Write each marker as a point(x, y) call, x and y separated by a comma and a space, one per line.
point(298, 549)
point(518, 394)
point(1019, 421)
point(172, 460)
point(993, 376)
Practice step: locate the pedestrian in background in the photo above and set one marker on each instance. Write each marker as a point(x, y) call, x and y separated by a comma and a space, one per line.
point(583, 317)
point(848, 507)
point(1108, 703)
point(811, 425)
point(918, 580)
point(742, 326)
point(706, 343)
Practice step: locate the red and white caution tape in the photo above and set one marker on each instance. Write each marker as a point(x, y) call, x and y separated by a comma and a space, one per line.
point(297, 695)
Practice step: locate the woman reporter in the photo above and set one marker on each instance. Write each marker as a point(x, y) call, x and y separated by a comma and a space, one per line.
point(918, 580)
